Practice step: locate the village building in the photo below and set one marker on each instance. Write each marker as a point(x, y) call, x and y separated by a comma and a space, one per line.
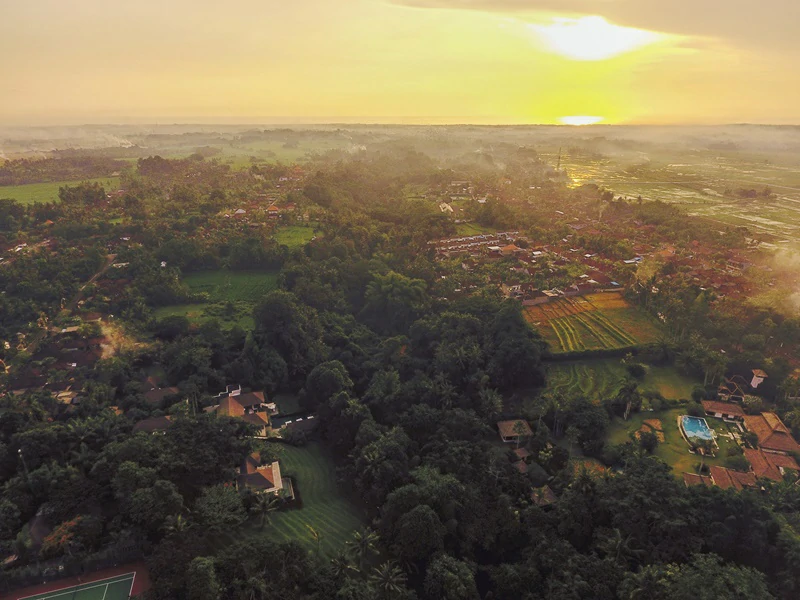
point(514, 431)
point(154, 425)
point(773, 435)
point(262, 478)
point(232, 407)
point(758, 377)
point(770, 465)
point(723, 410)
point(543, 496)
point(728, 478)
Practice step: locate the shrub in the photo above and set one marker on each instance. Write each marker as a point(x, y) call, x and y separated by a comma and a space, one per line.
point(636, 370)
point(695, 409)
point(648, 441)
point(738, 463)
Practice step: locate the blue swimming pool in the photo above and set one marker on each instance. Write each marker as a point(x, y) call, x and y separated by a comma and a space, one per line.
point(695, 427)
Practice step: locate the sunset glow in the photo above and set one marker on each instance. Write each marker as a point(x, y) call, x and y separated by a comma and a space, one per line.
point(592, 38)
point(580, 120)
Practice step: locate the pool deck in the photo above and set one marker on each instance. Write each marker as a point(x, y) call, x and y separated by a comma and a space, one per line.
point(686, 437)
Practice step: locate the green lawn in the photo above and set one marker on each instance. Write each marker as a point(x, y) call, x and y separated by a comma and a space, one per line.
point(674, 450)
point(48, 192)
point(325, 509)
point(230, 286)
point(598, 379)
point(468, 229)
point(113, 588)
point(294, 236)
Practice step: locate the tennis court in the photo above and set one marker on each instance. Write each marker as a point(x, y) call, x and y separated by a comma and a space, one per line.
point(119, 587)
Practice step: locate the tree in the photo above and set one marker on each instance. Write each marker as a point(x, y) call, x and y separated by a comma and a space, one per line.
point(705, 447)
point(9, 519)
point(449, 579)
point(362, 546)
point(264, 505)
point(324, 381)
point(648, 440)
point(219, 508)
point(420, 534)
point(201, 579)
point(388, 579)
point(393, 301)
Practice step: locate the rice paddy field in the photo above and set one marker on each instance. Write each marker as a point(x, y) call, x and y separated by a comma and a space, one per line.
point(604, 321)
point(598, 379)
point(48, 192)
point(325, 508)
point(698, 179)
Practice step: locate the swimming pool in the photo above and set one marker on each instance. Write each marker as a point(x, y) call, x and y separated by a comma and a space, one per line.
point(695, 427)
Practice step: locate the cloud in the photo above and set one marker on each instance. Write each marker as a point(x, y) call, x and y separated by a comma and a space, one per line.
point(764, 24)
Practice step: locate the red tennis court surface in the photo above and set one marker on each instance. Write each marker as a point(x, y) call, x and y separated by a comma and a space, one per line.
point(109, 582)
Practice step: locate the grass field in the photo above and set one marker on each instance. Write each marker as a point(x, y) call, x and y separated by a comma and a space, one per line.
point(294, 236)
point(225, 286)
point(325, 509)
point(603, 321)
point(598, 379)
point(468, 229)
point(231, 297)
point(674, 450)
point(113, 588)
point(48, 192)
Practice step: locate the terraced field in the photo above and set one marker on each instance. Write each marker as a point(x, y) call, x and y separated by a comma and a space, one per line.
point(598, 379)
point(594, 322)
point(48, 192)
point(325, 509)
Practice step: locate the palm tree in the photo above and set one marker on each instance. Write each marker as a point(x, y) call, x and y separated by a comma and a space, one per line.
point(705, 447)
point(176, 524)
point(82, 458)
point(264, 505)
point(363, 545)
point(342, 566)
point(388, 579)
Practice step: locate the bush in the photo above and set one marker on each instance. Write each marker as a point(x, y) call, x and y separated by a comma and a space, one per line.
point(695, 409)
point(636, 370)
point(738, 463)
point(648, 441)
point(698, 393)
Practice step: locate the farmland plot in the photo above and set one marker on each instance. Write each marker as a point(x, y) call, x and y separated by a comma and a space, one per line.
point(594, 322)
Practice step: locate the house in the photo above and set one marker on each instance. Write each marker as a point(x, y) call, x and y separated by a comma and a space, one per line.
point(240, 212)
point(773, 435)
point(758, 377)
point(731, 389)
point(769, 465)
point(153, 425)
point(261, 479)
point(728, 478)
point(510, 250)
point(273, 211)
point(522, 454)
point(231, 407)
point(690, 479)
point(543, 496)
point(156, 397)
point(520, 466)
point(723, 410)
point(514, 431)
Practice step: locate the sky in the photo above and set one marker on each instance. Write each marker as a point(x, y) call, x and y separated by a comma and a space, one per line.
point(438, 61)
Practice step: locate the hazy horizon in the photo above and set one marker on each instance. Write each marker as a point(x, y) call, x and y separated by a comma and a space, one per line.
point(400, 61)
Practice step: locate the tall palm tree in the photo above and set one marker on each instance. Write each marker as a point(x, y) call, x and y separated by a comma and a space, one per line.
point(82, 458)
point(264, 505)
point(363, 545)
point(388, 579)
point(342, 566)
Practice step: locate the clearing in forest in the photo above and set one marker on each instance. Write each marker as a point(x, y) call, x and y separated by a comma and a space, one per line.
point(325, 512)
point(604, 321)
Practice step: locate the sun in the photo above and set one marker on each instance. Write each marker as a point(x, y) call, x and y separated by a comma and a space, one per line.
point(580, 120)
point(592, 38)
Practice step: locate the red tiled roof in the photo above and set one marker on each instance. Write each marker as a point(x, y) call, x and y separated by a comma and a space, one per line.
point(768, 464)
point(726, 408)
point(522, 453)
point(727, 478)
point(771, 432)
point(153, 424)
point(506, 428)
point(543, 496)
point(695, 479)
point(230, 407)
